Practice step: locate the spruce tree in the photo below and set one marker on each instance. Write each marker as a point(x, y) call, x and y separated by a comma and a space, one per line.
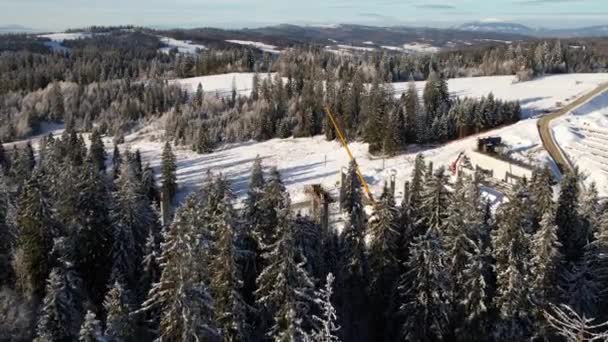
point(326, 324)
point(511, 253)
point(116, 162)
point(97, 151)
point(383, 259)
point(182, 294)
point(570, 233)
point(61, 314)
point(252, 217)
point(544, 268)
point(285, 289)
point(168, 168)
point(350, 192)
point(117, 307)
point(355, 275)
point(411, 111)
point(36, 232)
point(226, 278)
point(133, 218)
point(91, 329)
point(93, 233)
point(425, 290)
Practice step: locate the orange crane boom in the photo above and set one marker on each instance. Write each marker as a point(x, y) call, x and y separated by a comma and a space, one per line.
point(345, 145)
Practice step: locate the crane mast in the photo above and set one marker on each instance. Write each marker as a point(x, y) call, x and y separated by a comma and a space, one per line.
point(350, 155)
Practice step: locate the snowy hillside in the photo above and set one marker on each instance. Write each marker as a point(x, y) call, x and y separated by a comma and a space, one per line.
point(57, 39)
point(537, 96)
point(583, 135)
point(182, 46)
point(258, 45)
point(220, 84)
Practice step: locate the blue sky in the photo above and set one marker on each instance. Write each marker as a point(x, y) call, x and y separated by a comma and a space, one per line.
point(62, 14)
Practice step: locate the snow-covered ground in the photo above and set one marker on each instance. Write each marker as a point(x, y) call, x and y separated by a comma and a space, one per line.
point(182, 46)
point(583, 136)
point(258, 45)
point(304, 161)
point(537, 96)
point(413, 48)
point(57, 39)
point(221, 83)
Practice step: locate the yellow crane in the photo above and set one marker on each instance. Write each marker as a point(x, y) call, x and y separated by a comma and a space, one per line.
point(345, 144)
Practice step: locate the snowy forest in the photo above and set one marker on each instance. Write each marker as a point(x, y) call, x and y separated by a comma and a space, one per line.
point(94, 246)
point(86, 257)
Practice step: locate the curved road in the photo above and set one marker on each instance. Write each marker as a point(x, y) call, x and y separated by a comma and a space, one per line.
point(546, 135)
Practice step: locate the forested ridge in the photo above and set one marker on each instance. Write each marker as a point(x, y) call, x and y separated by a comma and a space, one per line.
point(85, 255)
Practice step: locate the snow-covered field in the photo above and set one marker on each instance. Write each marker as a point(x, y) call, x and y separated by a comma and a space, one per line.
point(583, 136)
point(537, 96)
point(57, 39)
point(258, 45)
point(413, 48)
point(220, 84)
point(182, 46)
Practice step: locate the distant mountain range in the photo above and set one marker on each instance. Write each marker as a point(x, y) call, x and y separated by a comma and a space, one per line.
point(513, 28)
point(16, 29)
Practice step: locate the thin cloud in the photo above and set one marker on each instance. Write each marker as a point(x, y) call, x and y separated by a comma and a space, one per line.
point(436, 6)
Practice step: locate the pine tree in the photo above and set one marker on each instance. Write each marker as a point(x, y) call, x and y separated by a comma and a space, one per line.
point(93, 233)
point(425, 290)
point(168, 168)
point(97, 151)
point(91, 329)
point(474, 302)
point(36, 232)
point(55, 317)
point(415, 196)
point(326, 325)
point(411, 111)
point(150, 269)
point(511, 252)
point(350, 192)
point(545, 262)
point(61, 313)
point(55, 98)
point(253, 217)
point(284, 288)
point(545, 267)
point(4, 159)
point(435, 200)
point(592, 272)
point(392, 141)
point(182, 294)
point(354, 273)
point(226, 280)
point(275, 199)
point(133, 218)
point(570, 233)
point(116, 162)
point(581, 289)
point(541, 195)
point(149, 185)
point(117, 308)
point(383, 259)
point(589, 211)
